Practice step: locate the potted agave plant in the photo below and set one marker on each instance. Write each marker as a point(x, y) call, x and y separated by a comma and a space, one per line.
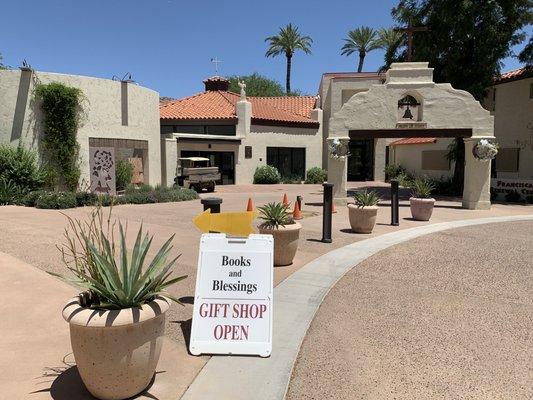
point(117, 324)
point(278, 222)
point(421, 201)
point(363, 212)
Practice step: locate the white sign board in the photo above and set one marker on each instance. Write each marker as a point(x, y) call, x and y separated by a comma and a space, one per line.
point(233, 297)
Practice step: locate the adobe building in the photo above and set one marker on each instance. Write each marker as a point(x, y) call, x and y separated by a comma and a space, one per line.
point(239, 132)
point(119, 116)
point(368, 113)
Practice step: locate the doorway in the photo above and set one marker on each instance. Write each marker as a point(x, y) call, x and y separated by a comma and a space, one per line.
point(361, 160)
point(224, 160)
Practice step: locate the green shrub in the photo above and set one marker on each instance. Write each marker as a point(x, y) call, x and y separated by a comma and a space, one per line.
point(10, 193)
point(139, 197)
point(513, 197)
point(422, 187)
point(90, 252)
point(123, 174)
point(165, 195)
point(30, 198)
point(86, 199)
point(274, 215)
point(105, 200)
point(316, 175)
point(19, 166)
point(447, 187)
point(56, 200)
point(529, 199)
point(131, 188)
point(405, 179)
point(366, 198)
point(392, 171)
point(291, 179)
point(266, 174)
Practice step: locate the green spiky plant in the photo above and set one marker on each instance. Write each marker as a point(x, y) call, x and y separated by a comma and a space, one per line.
point(114, 278)
point(421, 188)
point(275, 215)
point(366, 198)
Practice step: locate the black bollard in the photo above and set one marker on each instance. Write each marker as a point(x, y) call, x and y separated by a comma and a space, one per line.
point(213, 203)
point(394, 203)
point(326, 212)
point(299, 201)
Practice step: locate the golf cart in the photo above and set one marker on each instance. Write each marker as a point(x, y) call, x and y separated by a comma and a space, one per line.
point(196, 173)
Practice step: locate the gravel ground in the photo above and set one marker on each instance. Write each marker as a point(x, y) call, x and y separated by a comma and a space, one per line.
point(445, 316)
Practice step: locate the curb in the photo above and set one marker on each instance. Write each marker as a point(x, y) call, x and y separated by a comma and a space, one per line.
point(296, 300)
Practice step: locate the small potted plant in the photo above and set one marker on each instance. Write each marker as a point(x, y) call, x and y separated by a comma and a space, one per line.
point(364, 211)
point(278, 222)
point(421, 201)
point(117, 324)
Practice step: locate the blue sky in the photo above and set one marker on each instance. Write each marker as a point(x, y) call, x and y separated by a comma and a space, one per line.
point(167, 44)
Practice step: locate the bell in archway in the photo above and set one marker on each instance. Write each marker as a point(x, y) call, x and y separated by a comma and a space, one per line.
point(407, 114)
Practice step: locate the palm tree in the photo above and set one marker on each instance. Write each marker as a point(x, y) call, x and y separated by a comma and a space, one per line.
point(287, 41)
point(389, 39)
point(361, 40)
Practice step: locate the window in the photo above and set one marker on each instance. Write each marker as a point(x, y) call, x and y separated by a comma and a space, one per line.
point(435, 160)
point(226, 130)
point(247, 151)
point(289, 161)
point(507, 160)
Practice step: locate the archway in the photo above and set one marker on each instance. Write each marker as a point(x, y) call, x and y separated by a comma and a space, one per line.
point(441, 111)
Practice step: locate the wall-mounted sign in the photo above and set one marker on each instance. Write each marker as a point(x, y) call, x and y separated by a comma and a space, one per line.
point(102, 166)
point(502, 187)
point(233, 297)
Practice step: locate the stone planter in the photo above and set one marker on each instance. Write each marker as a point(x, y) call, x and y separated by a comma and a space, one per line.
point(116, 351)
point(421, 209)
point(362, 219)
point(285, 242)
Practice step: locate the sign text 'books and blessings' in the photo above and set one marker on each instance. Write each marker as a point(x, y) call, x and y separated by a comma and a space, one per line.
point(233, 298)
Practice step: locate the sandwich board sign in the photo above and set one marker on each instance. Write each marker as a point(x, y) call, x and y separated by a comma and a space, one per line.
point(233, 298)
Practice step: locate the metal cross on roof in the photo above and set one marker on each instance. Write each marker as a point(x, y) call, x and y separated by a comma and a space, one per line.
point(216, 61)
point(410, 30)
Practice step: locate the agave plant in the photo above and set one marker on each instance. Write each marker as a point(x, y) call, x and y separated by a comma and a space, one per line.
point(275, 214)
point(366, 198)
point(115, 279)
point(421, 188)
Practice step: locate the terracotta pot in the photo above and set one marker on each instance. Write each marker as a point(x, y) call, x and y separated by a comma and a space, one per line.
point(116, 351)
point(421, 209)
point(362, 219)
point(285, 242)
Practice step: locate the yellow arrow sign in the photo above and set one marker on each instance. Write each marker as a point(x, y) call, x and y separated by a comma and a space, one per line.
point(232, 223)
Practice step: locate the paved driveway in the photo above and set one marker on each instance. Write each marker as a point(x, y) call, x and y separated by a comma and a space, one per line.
point(444, 316)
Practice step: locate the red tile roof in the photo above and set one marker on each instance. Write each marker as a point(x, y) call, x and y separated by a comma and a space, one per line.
point(221, 105)
point(514, 75)
point(416, 140)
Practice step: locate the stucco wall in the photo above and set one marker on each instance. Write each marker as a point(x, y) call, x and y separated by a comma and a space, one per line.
point(261, 137)
point(21, 118)
point(410, 157)
point(513, 123)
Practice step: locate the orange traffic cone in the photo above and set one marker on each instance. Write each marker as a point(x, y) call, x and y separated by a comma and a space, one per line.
point(250, 206)
point(297, 213)
point(285, 200)
point(333, 211)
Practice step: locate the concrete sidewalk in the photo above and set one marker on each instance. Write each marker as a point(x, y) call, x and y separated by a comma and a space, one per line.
point(35, 354)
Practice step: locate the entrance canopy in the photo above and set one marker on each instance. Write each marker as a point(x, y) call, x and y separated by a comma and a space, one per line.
point(409, 104)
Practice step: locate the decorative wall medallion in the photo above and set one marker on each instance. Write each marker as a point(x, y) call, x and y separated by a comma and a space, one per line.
point(338, 149)
point(485, 150)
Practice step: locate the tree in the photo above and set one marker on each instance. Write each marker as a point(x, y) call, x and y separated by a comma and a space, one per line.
point(361, 40)
point(256, 85)
point(465, 43)
point(2, 66)
point(389, 40)
point(526, 55)
point(288, 41)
